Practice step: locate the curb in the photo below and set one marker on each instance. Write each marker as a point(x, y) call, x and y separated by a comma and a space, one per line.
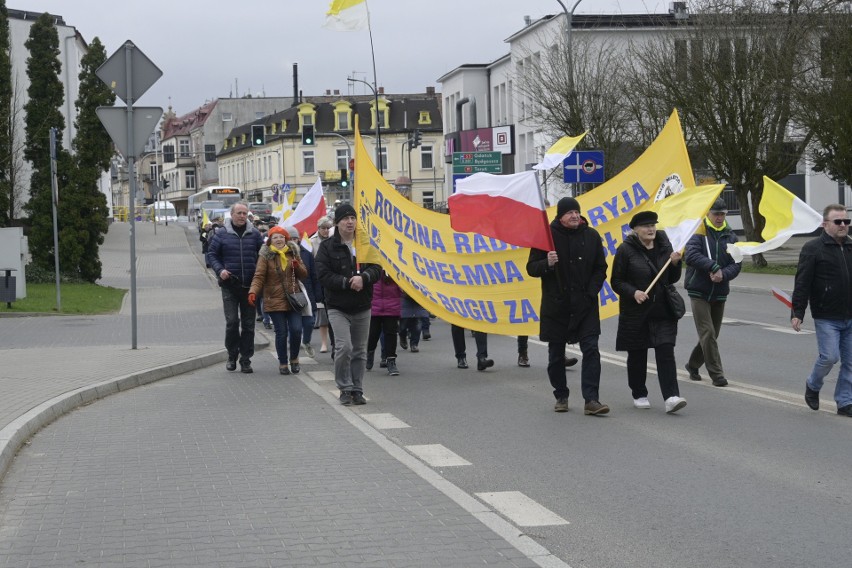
point(16, 433)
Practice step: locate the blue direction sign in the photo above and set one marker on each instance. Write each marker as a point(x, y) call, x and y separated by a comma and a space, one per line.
point(584, 167)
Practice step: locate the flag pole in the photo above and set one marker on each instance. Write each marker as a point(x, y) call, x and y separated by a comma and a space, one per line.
point(660, 273)
point(549, 232)
point(375, 93)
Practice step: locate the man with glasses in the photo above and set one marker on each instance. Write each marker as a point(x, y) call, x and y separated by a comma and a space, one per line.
point(824, 280)
point(709, 271)
point(233, 257)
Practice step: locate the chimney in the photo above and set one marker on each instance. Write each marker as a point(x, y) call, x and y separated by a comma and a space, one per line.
point(430, 90)
point(527, 21)
point(295, 83)
point(381, 90)
point(328, 92)
point(337, 91)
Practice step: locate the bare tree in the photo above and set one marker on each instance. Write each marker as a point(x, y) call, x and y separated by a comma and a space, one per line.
point(591, 98)
point(729, 70)
point(824, 96)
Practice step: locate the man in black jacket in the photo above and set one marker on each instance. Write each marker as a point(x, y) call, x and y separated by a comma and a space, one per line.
point(709, 271)
point(824, 280)
point(348, 287)
point(571, 279)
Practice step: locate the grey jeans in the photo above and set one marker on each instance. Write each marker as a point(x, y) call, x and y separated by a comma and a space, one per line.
point(350, 348)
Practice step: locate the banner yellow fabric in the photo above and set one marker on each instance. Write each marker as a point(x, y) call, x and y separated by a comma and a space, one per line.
point(481, 283)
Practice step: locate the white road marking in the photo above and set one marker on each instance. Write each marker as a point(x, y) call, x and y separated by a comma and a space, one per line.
point(437, 455)
point(521, 510)
point(384, 421)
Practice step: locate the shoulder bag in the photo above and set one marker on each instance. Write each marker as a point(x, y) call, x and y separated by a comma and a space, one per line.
point(673, 298)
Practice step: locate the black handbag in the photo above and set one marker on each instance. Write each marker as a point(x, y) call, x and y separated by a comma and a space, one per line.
point(297, 300)
point(673, 298)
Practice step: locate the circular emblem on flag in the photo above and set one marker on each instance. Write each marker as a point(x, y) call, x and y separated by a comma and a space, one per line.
point(671, 185)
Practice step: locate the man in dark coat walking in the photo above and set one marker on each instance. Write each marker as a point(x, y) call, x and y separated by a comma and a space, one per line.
point(571, 279)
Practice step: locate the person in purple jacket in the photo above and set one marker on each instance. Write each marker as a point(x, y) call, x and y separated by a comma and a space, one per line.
point(384, 318)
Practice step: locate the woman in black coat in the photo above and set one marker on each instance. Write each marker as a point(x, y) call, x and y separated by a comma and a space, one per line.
point(645, 320)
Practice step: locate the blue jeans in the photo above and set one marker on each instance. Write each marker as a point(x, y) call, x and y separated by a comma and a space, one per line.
point(308, 327)
point(239, 324)
point(834, 341)
point(286, 324)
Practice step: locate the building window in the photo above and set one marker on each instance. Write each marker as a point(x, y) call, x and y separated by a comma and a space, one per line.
point(424, 117)
point(183, 148)
point(308, 166)
point(155, 171)
point(384, 155)
point(342, 120)
point(307, 119)
point(169, 153)
point(429, 199)
point(210, 152)
point(342, 159)
point(190, 179)
point(227, 117)
point(426, 160)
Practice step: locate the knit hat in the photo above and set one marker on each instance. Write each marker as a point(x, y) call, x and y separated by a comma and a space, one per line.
point(719, 206)
point(277, 229)
point(643, 218)
point(294, 232)
point(344, 210)
point(565, 205)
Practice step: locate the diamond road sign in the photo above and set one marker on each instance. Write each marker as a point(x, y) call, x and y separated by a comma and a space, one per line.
point(143, 72)
point(473, 162)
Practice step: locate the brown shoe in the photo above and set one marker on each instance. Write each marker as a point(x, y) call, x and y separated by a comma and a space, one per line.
point(561, 405)
point(595, 407)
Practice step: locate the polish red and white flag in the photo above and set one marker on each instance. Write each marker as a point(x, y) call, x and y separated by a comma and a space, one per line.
point(309, 210)
point(506, 207)
point(783, 297)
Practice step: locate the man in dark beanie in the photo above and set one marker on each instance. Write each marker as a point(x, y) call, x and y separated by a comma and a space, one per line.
point(709, 272)
point(571, 279)
point(348, 287)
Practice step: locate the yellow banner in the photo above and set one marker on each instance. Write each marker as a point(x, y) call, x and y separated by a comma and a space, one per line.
point(481, 283)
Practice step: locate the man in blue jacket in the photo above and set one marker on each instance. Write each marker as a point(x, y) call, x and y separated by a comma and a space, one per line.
point(233, 257)
point(824, 280)
point(709, 272)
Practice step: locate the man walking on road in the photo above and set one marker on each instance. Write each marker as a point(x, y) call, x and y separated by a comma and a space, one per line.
point(709, 271)
point(348, 287)
point(571, 279)
point(233, 257)
point(824, 280)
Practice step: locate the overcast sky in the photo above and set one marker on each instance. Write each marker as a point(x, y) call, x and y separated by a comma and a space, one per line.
point(219, 48)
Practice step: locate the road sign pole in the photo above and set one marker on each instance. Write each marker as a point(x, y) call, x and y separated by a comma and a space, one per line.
point(128, 57)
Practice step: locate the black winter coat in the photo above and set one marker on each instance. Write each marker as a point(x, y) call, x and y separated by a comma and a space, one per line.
point(335, 266)
point(570, 306)
point(824, 279)
point(700, 263)
point(651, 323)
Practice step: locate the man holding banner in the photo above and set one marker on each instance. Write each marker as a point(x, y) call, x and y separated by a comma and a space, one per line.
point(572, 276)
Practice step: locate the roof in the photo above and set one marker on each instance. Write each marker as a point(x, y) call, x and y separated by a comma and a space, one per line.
point(183, 125)
point(400, 105)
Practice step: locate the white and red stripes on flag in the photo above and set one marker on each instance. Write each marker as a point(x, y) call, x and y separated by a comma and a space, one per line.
point(783, 297)
point(505, 207)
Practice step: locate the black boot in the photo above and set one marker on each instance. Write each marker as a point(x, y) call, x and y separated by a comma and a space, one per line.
point(392, 370)
point(403, 340)
point(483, 363)
point(462, 362)
point(371, 355)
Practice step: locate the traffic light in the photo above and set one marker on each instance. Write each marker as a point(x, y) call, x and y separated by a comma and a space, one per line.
point(415, 139)
point(165, 184)
point(308, 134)
point(344, 177)
point(258, 135)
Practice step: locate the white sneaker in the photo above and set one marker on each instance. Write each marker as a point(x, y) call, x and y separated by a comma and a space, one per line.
point(309, 350)
point(642, 402)
point(674, 403)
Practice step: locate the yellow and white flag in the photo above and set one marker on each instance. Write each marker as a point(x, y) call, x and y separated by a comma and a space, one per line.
point(786, 215)
point(347, 16)
point(205, 220)
point(559, 151)
point(283, 210)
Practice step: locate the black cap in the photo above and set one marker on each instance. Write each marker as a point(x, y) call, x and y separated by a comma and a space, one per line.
point(643, 218)
point(344, 210)
point(719, 205)
point(565, 205)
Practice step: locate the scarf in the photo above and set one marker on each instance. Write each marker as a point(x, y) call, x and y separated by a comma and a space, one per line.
point(712, 226)
point(282, 255)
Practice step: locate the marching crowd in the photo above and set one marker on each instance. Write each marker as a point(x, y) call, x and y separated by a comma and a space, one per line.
point(358, 308)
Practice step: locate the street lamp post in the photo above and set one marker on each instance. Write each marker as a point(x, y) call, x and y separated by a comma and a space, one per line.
point(568, 26)
point(378, 133)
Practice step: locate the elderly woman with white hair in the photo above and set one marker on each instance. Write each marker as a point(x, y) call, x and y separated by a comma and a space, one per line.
point(324, 230)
